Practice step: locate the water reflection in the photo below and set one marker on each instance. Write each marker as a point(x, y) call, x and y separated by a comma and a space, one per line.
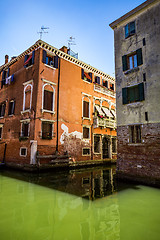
point(57, 206)
point(90, 183)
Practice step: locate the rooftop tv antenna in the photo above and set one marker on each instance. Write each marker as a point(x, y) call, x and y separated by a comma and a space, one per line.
point(42, 31)
point(71, 42)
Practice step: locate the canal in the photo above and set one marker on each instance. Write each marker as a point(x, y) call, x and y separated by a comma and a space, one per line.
point(87, 204)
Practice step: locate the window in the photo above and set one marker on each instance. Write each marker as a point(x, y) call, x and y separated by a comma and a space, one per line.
point(29, 59)
point(25, 129)
point(133, 60)
point(86, 132)
point(133, 94)
point(130, 29)
point(97, 79)
point(2, 109)
point(50, 59)
point(0, 132)
point(48, 97)
point(86, 109)
point(47, 130)
point(135, 134)
point(97, 146)
point(114, 145)
point(86, 76)
point(11, 107)
point(23, 152)
point(112, 86)
point(27, 98)
point(105, 83)
point(85, 151)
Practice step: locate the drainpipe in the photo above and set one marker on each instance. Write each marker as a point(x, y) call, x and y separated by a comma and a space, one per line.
point(59, 64)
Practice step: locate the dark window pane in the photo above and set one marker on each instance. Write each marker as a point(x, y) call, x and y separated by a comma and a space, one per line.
point(85, 109)
point(48, 100)
point(11, 108)
point(46, 130)
point(97, 144)
point(0, 132)
point(86, 151)
point(85, 132)
point(25, 128)
point(114, 150)
point(138, 133)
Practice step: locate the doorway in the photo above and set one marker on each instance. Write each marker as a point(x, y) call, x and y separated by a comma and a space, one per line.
point(105, 147)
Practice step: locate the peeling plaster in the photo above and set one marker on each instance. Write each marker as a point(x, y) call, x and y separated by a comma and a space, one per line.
point(67, 134)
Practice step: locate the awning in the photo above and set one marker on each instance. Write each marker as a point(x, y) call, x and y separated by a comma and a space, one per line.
point(98, 108)
point(107, 112)
point(87, 76)
point(26, 62)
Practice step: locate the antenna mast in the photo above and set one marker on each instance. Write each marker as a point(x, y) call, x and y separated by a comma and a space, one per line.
point(42, 31)
point(71, 42)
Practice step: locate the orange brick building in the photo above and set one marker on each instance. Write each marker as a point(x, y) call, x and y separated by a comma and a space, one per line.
point(44, 86)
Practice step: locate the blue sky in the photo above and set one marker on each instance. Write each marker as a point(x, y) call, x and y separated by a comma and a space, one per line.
point(86, 20)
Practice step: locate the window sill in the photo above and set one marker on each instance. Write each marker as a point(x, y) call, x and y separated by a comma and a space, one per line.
point(130, 35)
point(25, 111)
point(11, 115)
point(96, 153)
point(131, 70)
point(23, 138)
point(135, 144)
point(48, 111)
point(2, 117)
point(86, 118)
point(50, 66)
point(29, 66)
point(86, 81)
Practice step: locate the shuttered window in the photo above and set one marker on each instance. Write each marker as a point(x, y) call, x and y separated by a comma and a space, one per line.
point(86, 132)
point(48, 100)
point(97, 79)
point(25, 130)
point(11, 107)
point(85, 109)
point(50, 59)
point(135, 135)
point(133, 94)
point(130, 29)
point(29, 59)
point(133, 60)
point(46, 130)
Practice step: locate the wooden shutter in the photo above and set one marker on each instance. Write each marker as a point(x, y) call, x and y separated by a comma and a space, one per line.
point(56, 61)
point(25, 59)
point(12, 78)
point(27, 99)
point(85, 132)
point(48, 100)
point(44, 56)
point(141, 91)
point(124, 95)
point(124, 62)
point(139, 57)
point(90, 74)
point(85, 109)
point(126, 31)
point(82, 73)
point(33, 55)
point(132, 27)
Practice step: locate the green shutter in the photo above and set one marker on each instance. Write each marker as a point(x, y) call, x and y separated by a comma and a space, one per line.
point(124, 95)
point(124, 62)
point(141, 91)
point(139, 57)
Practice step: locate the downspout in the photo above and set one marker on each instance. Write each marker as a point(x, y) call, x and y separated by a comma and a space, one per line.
point(59, 64)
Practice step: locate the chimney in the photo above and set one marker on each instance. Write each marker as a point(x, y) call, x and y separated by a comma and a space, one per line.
point(6, 59)
point(64, 49)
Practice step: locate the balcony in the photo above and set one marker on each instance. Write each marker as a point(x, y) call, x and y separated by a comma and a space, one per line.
point(104, 90)
point(105, 123)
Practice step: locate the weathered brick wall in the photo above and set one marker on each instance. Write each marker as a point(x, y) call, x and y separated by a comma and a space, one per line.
point(140, 159)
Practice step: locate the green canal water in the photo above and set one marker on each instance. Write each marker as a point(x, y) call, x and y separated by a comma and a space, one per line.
point(79, 205)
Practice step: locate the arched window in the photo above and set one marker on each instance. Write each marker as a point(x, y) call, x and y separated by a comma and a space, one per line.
point(48, 95)
point(27, 99)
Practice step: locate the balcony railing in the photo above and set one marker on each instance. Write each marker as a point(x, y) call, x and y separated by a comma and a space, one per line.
point(104, 90)
point(99, 122)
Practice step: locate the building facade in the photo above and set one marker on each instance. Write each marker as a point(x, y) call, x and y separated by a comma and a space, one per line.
point(53, 103)
point(137, 65)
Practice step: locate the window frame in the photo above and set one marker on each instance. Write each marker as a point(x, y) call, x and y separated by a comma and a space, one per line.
point(52, 126)
point(128, 27)
point(125, 93)
point(21, 152)
point(1, 132)
point(29, 84)
point(11, 110)
point(2, 109)
point(25, 123)
point(84, 126)
point(53, 100)
point(89, 151)
point(100, 148)
point(115, 146)
point(134, 133)
point(89, 102)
